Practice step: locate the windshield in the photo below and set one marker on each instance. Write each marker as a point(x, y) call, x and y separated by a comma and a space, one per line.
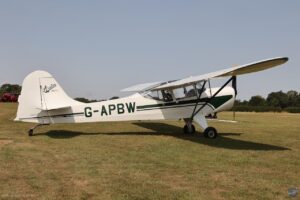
point(161, 95)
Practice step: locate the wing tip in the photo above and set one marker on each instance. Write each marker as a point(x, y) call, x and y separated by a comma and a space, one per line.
point(282, 60)
point(285, 59)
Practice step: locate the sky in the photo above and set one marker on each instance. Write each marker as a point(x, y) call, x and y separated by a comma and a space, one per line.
point(96, 48)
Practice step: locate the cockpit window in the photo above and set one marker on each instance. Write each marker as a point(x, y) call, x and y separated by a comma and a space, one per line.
point(153, 95)
point(179, 93)
point(200, 88)
point(189, 91)
point(161, 95)
point(167, 95)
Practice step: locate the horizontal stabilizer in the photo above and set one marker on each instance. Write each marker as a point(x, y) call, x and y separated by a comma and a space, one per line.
point(55, 107)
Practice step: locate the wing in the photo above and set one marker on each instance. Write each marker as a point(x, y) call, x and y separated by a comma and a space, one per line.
point(142, 87)
point(234, 71)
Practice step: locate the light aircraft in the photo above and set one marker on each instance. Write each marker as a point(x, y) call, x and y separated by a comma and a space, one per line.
point(43, 101)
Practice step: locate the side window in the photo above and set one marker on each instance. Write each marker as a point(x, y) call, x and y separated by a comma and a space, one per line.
point(190, 91)
point(200, 87)
point(154, 95)
point(167, 96)
point(179, 93)
point(160, 95)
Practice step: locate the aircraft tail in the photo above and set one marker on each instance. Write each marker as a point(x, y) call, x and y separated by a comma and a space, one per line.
point(41, 93)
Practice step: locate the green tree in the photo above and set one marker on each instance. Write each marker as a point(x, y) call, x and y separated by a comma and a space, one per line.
point(293, 98)
point(82, 99)
point(11, 88)
point(278, 99)
point(238, 102)
point(114, 97)
point(257, 101)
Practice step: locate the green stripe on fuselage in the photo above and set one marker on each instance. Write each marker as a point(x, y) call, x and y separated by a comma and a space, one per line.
point(218, 101)
point(215, 102)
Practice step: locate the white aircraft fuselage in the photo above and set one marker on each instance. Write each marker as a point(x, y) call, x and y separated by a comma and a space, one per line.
point(137, 107)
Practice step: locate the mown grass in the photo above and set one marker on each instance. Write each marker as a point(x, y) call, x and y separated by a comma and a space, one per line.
point(256, 158)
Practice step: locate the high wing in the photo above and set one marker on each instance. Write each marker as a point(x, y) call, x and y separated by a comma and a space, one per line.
point(233, 71)
point(142, 87)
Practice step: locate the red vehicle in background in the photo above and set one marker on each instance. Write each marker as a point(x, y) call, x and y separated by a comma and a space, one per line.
point(9, 97)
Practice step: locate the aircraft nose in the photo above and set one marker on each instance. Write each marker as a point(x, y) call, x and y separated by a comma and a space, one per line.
point(227, 96)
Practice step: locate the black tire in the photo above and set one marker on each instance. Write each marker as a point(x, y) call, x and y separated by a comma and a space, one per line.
point(210, 132)
point(30, 132)
point(187, 131)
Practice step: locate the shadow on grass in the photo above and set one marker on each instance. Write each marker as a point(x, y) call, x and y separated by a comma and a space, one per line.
point(169, 130)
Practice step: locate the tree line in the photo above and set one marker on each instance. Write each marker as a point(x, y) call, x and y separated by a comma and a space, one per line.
point(275, 101)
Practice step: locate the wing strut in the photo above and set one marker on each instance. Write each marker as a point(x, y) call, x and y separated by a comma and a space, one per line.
point(234, 84)
point(198, 97)
point(195, 112)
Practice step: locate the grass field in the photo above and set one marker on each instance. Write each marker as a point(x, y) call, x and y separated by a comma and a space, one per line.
point(257, 158)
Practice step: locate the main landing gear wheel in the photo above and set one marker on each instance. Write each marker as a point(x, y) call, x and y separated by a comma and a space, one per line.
point(189, 130)
point(210, 132)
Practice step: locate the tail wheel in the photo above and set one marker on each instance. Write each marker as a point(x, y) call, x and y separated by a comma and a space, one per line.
point(30, 132)
point(189, 130)
point(210, 132)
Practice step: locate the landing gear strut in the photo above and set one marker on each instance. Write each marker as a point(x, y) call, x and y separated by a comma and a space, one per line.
point(209, 132)
point(30, 132)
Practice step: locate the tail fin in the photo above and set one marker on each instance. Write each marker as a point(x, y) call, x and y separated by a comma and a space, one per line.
point(41, 93)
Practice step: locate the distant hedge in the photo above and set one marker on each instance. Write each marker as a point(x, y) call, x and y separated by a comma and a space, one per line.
point(265, 109)
point(292, 109)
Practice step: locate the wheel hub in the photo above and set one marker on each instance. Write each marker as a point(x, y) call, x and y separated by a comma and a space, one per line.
point(211, 133)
